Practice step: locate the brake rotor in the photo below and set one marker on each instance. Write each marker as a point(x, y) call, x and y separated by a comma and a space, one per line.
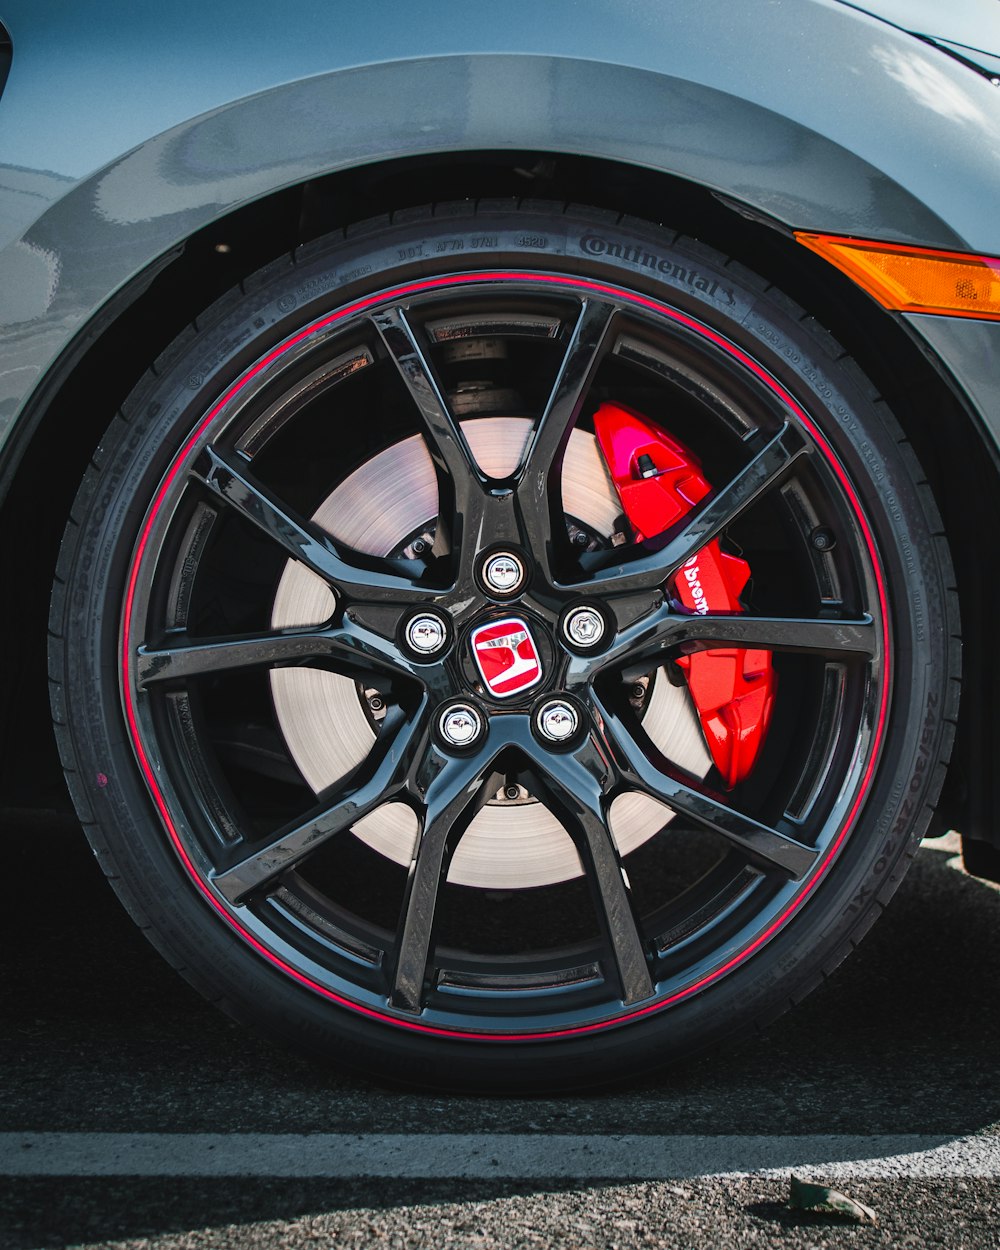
point(513, 843)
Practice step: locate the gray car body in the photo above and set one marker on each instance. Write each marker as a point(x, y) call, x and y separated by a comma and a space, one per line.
point(125, 128)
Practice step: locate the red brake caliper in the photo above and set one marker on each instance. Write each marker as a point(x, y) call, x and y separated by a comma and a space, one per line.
point(658, 481)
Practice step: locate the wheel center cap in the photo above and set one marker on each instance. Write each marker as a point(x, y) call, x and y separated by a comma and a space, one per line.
point(506, 656)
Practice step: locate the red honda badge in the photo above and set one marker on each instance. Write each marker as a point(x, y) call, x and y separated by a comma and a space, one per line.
point(507, 657)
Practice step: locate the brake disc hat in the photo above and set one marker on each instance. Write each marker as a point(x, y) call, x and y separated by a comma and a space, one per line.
point(509, 845)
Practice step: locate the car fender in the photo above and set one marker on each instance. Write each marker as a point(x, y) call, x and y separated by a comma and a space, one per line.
point(747, 100)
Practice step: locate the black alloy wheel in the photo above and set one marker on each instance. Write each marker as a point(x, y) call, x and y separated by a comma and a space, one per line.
point(373, 471)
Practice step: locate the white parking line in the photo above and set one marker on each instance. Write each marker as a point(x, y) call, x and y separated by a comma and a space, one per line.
point(449, 1156)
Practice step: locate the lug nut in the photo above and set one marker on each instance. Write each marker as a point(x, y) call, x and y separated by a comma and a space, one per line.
point(460, 725)
point(584, 627)
point(503, 573)
point(426, 634)
point(557, 721)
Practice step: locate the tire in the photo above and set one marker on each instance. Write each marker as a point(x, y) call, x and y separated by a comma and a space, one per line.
point(274, 605)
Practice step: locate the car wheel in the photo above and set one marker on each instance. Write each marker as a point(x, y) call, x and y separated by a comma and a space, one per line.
point(504, 648)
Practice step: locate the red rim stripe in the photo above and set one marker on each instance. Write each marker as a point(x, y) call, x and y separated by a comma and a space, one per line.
point(415, 288)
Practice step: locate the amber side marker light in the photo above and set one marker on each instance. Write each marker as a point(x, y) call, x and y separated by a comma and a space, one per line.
point(915, 279)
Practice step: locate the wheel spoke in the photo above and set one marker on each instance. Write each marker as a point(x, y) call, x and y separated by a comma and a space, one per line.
point(381, 777)
point(584, 353)
point(647, 772)
point(826, 636)
point(538, 486)
point(463, 489)
point(645, 642)
point(447, 444)
point(665, 554)
point(352, 644)
point(765, 846)
point(188, 657)
point(358, 577)
point(578, 787)
point(453, 791)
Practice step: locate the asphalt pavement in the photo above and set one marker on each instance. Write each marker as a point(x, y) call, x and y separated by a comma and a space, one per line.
point(176, 1127)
